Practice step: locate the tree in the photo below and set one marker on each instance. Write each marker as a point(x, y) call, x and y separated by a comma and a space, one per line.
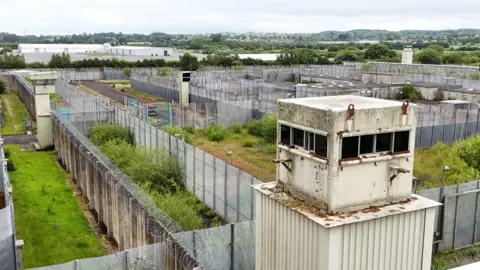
point(216, 37)
point(2, 87)
point(352, 56)
point(409, 92)
point(188, 62)
point(12, 61)
point(60, 61)
point(440, 49)
point(429, 56)
point(379, 51)
point(127, 71)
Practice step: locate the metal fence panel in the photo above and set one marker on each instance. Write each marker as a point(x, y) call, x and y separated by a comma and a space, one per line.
point(7, 239)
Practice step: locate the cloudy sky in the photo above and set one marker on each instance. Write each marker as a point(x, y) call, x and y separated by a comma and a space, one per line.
point(210, 16)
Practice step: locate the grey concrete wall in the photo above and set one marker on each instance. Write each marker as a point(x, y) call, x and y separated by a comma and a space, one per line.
point(128, 216)
point(452, 71)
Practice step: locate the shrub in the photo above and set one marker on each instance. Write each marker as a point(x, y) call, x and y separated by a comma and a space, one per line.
point(127, 71)
point(249, 142)
point(10, 165)
point(409, 92)
point(2, 87)
point(100, 134)
point(265, 128)
point(190, 129)
point(271, 148)
point(237, 127)
point(215, 133)
point(255, 128)
point(172, 130)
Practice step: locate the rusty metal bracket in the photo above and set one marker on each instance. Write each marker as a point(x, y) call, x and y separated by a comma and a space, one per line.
point(350, 111)
point(397, 171)
point(405, 107)
point(283, 161)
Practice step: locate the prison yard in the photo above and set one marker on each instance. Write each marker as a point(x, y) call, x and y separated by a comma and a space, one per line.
point(118, 180)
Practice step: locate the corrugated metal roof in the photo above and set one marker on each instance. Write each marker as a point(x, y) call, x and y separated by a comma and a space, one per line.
point(24, 46)
point(319, 216)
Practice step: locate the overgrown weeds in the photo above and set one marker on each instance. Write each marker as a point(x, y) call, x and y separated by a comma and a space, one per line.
point(157, 173)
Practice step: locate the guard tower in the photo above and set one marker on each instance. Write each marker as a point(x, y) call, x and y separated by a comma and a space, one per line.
point(184, 87)
point(342, 199)
point(44, 85)
point(407, 55)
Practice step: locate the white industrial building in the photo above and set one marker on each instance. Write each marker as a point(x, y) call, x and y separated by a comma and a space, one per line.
point(342, 199)
point(60, 48)
point(141, 51)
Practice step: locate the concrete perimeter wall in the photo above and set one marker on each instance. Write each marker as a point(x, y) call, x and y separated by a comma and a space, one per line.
point(125, 213)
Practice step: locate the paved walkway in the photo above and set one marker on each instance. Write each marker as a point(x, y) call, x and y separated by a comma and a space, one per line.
point(19, 139)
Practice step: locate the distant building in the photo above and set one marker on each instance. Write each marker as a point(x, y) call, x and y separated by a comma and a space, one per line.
point(407, 55)
point(60, 48)
point(141, 51)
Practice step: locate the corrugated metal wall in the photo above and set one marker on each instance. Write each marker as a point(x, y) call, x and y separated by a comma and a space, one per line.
point(394, 242)
point(289, 240)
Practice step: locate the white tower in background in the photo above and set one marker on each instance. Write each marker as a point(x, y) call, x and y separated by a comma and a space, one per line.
point(407, 55)
point(343, 199)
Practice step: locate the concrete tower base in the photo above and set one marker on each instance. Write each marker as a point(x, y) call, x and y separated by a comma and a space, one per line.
point(293, 235)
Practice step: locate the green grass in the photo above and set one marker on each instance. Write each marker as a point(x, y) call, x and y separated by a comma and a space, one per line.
point(450, 259)
point(114, 81)
point(14, 111)
point(98, 54)
point(47, 215)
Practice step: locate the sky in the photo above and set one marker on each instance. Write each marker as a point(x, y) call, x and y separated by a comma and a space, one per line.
point(213, 16)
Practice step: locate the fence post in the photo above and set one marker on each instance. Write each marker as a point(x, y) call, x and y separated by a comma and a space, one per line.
point(232, 246)
point(225, 189)
point(126, 259)
point(252, 200)
point(185, 162)
point(77, 265)
point(478, 115)
point(238, 195)
point(475, 216)
point(194, 172)
point(455, 126)
point(203, 177)
point(214, 183)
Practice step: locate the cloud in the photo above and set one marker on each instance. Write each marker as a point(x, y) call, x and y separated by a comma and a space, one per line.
point(210, 16)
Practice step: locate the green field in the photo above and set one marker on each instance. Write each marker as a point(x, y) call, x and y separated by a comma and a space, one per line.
point(14, 111)
point(48, 216)
point(98, 54)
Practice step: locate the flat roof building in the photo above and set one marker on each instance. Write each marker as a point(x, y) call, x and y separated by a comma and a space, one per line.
point(141, 51)
point(59, 48)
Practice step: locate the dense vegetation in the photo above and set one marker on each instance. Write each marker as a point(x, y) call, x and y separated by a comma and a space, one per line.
point(161, 176)
point(462, 158)
point(253, 146)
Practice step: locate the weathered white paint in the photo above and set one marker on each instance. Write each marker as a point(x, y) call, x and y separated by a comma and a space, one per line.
point(384, 78)
point(346, 185)
point(407, 55)
point(44, 85)
point(289, 236)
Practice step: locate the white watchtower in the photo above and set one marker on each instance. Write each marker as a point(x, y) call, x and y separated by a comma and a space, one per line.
point(44, 85)
point(343, 190)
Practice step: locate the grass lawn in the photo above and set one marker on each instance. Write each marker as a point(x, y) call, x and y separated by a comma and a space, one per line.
point(114, 81)
point(48, 216)
point(14, 111)
point(127, 88)
point(450, 259)
point(250, 153)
